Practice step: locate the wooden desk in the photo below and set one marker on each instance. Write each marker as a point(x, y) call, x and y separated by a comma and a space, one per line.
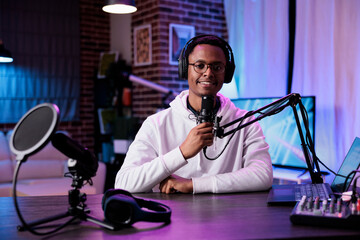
point(203, 216)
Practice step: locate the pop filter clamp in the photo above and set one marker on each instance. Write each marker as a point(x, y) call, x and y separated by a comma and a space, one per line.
point(34, 130)
point(292, 100)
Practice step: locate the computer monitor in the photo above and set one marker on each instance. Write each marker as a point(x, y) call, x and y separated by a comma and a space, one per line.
point(281, 131)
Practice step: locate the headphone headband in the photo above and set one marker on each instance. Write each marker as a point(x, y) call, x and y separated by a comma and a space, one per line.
point(183, 58)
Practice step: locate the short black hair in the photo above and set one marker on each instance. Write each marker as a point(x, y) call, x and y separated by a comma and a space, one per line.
point(207, 39)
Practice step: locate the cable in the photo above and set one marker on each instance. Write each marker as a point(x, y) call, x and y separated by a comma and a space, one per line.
point(278, 108)
point(249, 113)
point(25, 225)
point(232, 135)
point(330, 169)
point(347, 178)
point(310, 146)
point(354, 198)
point(354, 185)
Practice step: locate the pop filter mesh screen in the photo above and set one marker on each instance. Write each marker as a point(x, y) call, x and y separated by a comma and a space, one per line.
point(33, 128)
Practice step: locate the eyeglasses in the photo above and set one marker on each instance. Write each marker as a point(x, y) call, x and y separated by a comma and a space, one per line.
point(203, 67)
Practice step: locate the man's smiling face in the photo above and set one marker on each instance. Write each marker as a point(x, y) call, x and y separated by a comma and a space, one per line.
point(207, 83)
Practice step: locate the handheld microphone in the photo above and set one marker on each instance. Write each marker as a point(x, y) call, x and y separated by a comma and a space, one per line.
point(82, 161)
point(206, 112)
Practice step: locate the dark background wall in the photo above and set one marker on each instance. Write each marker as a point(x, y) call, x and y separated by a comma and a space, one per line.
point(206, 16)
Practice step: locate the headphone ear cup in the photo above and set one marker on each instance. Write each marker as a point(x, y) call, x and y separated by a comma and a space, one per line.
point(106, 195)
point(112, 192)
point(230, 64)
point(121, 210)
point(229, 72)
point(182, 65)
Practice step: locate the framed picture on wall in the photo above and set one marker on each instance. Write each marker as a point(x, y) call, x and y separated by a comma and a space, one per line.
point(142, 45)
point(106, 58)
point(178, 37)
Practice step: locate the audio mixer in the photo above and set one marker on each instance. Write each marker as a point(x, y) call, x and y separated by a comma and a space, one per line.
point(327, 213)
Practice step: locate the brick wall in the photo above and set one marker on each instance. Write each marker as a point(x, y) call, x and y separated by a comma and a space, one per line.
point(95, 38)
point(206, 16)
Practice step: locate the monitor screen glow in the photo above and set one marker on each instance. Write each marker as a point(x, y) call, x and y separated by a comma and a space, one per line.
point(281, 131)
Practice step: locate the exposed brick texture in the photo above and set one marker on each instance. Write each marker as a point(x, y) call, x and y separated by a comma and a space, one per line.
point(95, 38)
point(207, 17)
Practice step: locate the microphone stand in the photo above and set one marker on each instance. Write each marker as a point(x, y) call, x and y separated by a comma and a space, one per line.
point(273, 108)
point(76, 210)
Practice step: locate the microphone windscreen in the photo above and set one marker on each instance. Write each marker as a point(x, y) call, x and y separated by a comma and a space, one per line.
point(68, 146)
point(206, 112)
point(85, 162)
point(207, 103)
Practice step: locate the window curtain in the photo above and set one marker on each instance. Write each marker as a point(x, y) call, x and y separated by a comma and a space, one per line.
point(44, 39)
point(326, 62)
point(259, 36)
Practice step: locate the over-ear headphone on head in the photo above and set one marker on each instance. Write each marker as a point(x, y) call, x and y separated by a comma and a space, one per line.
point(212, 40)
point(123, 209)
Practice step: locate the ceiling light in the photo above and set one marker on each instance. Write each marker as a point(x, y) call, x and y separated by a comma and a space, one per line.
point(120, 6)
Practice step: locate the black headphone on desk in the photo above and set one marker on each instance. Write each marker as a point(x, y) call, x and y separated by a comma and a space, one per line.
point(212, 40)
point(123, 209)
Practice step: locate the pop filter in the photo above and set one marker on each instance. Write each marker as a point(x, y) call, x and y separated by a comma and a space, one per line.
point(34, 130)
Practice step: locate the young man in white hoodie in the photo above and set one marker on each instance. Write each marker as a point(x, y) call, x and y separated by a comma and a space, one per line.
point(167, 153)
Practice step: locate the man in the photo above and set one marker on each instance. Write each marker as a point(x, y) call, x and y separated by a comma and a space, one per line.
point(168, 149)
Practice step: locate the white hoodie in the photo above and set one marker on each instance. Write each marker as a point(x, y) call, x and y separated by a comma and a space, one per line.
point(245, 165)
